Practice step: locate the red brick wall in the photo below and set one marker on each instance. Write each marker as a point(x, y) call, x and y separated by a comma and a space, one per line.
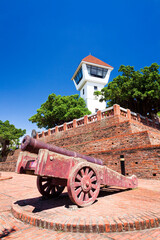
point(107, 139)
point(144, 162)
point(107, 144)
point(92, 133)
point(137, 127)
point(9, 163)
point(93, 126)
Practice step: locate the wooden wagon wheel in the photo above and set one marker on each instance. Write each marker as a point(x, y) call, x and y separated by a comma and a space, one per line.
point(83, 185)
point(47, 188)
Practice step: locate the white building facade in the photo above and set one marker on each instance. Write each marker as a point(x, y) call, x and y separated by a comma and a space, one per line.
point(92, 75)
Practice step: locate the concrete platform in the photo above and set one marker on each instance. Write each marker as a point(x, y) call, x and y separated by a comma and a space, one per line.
point(115, 210)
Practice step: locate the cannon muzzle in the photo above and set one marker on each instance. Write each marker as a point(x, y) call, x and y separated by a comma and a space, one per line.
point(33, 145)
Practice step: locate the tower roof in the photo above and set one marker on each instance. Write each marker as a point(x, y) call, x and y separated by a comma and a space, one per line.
point(91, 59)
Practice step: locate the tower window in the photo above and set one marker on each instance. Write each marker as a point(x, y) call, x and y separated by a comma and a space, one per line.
point(79, 76)
point(96, 71)
point(83, 91)
point(95, 87)
point(96, 109)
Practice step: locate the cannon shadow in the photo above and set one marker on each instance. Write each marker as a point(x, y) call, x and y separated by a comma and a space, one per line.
point(111, 190)
point(6, 232)
point(39, 204)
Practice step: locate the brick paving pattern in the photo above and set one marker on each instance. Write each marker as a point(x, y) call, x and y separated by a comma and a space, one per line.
point(24, 187)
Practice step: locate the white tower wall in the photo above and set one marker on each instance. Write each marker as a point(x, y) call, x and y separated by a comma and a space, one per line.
point(89, 84)
point(92, 101)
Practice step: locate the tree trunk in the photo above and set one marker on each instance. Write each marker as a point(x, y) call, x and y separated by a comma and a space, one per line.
point(4, 147)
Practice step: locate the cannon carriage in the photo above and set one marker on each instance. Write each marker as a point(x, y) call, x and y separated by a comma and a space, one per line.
point(57, 168)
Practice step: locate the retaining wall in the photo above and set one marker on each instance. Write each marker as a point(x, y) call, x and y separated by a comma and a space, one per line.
point(108, 135)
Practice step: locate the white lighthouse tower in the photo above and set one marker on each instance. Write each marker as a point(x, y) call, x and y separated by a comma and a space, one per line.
point(92, 75)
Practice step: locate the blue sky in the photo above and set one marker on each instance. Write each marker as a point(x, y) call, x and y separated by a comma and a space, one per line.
point(43, 42)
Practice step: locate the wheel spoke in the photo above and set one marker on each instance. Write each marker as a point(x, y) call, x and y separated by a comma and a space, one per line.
point(45, 185)
point(86, 171)
point(44, 180)
point(90, 173)
point(78, 177)
point(94, 186)
point(77, 184)
point(78, 191)
point(49, 189)
point(93, 179)
point(91, 193)
point(82, 172)
point(58, 188)
point(86, 198)
point(81, 196)
point(53, 191)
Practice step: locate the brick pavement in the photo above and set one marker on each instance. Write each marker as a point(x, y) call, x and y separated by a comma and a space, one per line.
point(23, 186)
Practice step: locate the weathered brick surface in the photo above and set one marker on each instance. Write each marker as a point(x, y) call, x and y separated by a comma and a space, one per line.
point(116, 142)
point(24, 187)
point(29, 208)
point(93, 134)
point(90, 127)
point(8, 166)
point(108, 139)
point(138, 144)
point(137, 127)
point(9, 163)
point(144, 162)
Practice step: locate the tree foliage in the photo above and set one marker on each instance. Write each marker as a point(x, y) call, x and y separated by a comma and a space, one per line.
point(9, 136)
point(58, 110)
point(136, 90)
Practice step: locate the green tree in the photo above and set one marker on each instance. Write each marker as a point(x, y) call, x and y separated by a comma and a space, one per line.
point(136, 90)
point(59, 109)
point(9, 136)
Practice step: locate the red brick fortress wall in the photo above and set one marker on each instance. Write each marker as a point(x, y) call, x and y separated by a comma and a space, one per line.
point(110, 134)
point(9, 163)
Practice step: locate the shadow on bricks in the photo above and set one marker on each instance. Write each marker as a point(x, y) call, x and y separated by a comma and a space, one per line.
point(39, 204)
point(6, 232)
point(109, 191)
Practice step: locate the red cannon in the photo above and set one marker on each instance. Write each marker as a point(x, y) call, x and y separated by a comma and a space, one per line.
point(57, 167)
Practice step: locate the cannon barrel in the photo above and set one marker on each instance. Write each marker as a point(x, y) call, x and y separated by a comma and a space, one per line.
point(33, 145)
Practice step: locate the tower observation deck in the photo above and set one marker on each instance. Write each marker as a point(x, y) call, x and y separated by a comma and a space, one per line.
point(91, 75)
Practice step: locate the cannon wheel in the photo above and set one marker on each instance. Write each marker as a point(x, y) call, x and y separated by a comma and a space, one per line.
point(83, 185)
point(47, 188)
